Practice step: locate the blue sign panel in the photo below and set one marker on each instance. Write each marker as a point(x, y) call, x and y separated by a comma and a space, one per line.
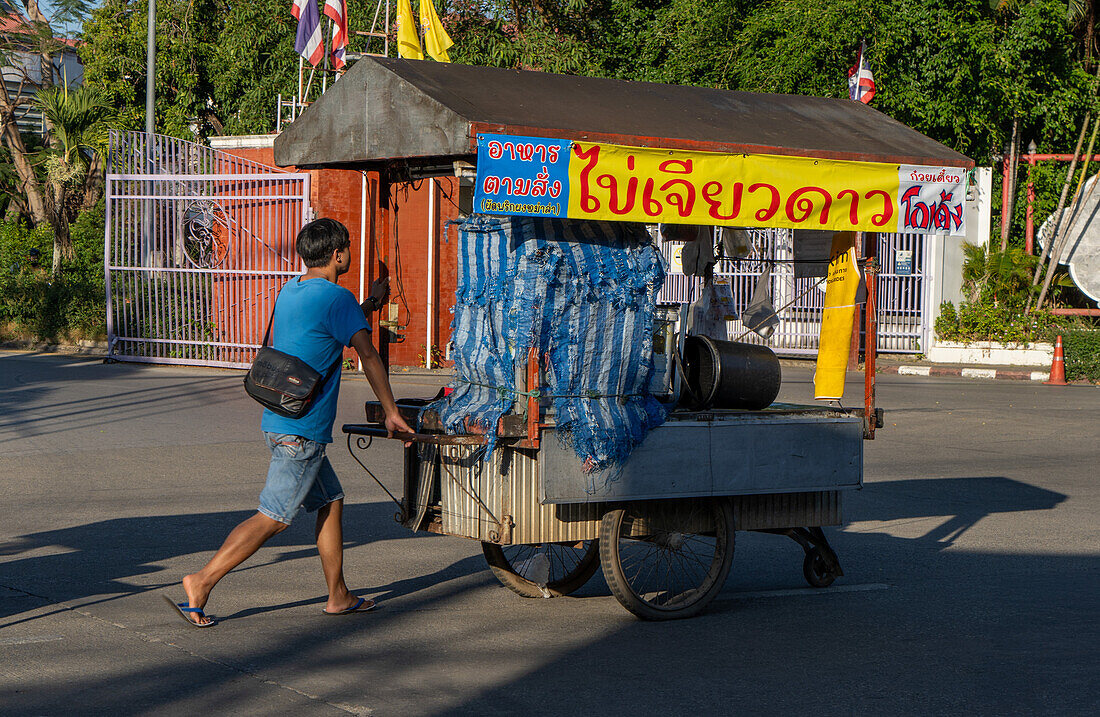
point(522, 176)
point(903, 262)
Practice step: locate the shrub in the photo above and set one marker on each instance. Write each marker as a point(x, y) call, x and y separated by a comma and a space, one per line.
point(1005, 323)
point(1082, 354)
point(36, 306)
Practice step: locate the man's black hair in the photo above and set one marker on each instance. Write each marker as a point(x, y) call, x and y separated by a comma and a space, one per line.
point(319, 239)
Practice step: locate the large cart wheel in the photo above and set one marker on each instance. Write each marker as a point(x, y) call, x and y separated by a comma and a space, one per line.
point(667, 560)
point(543, 571)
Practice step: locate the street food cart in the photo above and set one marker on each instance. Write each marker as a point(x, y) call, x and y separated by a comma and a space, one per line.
point(663, 525)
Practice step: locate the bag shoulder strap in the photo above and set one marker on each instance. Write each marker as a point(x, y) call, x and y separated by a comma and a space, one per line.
point(267, 336)
point(332, 369)
point(271, 318)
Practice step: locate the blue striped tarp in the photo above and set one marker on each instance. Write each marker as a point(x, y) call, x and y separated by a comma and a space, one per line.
point(585, 294)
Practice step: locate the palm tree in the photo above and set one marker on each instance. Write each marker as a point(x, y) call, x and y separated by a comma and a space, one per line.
point(1081, 16)
point(78, 122)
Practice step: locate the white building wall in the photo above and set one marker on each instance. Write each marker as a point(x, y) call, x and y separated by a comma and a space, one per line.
point(944, 278)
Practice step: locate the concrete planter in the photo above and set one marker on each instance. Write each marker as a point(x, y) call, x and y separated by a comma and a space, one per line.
point(991, 353)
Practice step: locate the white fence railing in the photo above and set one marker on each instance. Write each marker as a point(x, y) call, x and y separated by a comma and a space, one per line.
point(903, 308)
point(197, 244)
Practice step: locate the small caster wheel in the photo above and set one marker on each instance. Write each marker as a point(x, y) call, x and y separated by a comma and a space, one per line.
point(817, 571)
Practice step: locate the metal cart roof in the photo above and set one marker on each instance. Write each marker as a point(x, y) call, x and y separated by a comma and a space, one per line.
point(426, 113)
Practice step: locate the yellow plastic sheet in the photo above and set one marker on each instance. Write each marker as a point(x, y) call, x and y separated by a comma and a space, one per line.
point(836, 323)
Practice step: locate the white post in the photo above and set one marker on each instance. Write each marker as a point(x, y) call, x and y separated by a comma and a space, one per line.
point(150, 127)
point(431, 273)
point(150, 65)
point(362, 244)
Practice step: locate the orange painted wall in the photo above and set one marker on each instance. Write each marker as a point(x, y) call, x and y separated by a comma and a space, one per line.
point(337, 194)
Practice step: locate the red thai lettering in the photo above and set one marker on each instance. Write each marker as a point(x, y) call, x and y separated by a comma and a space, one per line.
point(650, 206)
point(916, 214)
point(496, 150)
point(806, 206)
point(612, 186)
point(880, 220)
point(711, 192)
point(685, 202)
point(853, 207)
point(763, 215)
point(588, 202)
point(675, 166)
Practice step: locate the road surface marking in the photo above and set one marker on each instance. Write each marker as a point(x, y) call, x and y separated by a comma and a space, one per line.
point(30, 640)
point(803, 591)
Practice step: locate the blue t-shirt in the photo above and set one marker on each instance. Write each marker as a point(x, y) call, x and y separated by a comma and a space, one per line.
point(314, 320)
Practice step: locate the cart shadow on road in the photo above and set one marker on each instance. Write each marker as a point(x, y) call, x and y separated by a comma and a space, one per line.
point(956, 625)
point(962, 502)
point(109, 557)
point(950, 631)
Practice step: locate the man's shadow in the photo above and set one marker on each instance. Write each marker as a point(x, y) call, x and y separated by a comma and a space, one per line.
point(103, 558)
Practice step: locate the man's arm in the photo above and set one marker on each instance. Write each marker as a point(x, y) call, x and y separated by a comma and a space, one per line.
point(375, 372)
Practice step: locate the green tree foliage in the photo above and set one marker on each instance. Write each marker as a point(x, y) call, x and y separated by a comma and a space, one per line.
point(957, 70)
point(34, 305)
point(255, 62)
point(113, 53)
point(78, 120)
point(220, 66)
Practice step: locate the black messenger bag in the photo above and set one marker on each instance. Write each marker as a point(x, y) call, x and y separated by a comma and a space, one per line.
point(282, 383)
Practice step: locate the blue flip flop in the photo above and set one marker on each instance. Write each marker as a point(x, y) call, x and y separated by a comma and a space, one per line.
point(357, 607)
point(183, 610)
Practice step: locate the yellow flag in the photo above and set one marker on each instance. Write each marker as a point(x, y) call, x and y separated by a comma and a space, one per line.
point(436, 39)
point(408, 42)
point(836, 323)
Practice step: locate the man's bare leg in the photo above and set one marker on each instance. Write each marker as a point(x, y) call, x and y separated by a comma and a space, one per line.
point(242, 542)
point(330, 546)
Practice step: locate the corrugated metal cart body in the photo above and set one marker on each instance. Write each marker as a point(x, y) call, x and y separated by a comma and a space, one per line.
point(485, 500)
point(780, 471)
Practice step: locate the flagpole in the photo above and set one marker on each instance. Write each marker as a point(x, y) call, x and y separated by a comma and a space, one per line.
point(324, 70)
point(299, 99)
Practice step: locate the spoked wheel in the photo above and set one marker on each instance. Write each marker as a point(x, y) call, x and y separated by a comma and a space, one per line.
point(543, 571)
point(667, 560)
point(817, 571)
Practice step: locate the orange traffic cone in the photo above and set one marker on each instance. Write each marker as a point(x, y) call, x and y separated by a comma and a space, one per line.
point(1057, 366)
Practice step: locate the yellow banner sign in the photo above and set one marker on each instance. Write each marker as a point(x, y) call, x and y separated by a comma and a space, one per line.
point(617, 183)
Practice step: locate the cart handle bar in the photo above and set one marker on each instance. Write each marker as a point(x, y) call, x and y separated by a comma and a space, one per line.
point(437, 438)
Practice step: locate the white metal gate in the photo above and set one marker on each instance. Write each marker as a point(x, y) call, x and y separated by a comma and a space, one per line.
point(799, 302)
point(198, 243)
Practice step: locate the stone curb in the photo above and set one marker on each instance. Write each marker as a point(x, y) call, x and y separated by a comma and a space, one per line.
point(967, 372)
point(84, 348)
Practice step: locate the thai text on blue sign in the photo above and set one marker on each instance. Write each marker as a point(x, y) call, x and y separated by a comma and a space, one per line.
point(522, 176)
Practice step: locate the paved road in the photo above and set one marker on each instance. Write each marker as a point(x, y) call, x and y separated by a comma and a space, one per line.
point(972, 560)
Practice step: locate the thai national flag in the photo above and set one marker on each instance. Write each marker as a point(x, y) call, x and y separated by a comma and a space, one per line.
point(338, 11)
point(308, 42)
point(861, 83)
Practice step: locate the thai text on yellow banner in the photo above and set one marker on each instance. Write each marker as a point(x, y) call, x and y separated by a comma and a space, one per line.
point(611, 182)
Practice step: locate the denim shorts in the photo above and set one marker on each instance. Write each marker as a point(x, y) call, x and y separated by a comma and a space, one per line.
point(300, 476)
